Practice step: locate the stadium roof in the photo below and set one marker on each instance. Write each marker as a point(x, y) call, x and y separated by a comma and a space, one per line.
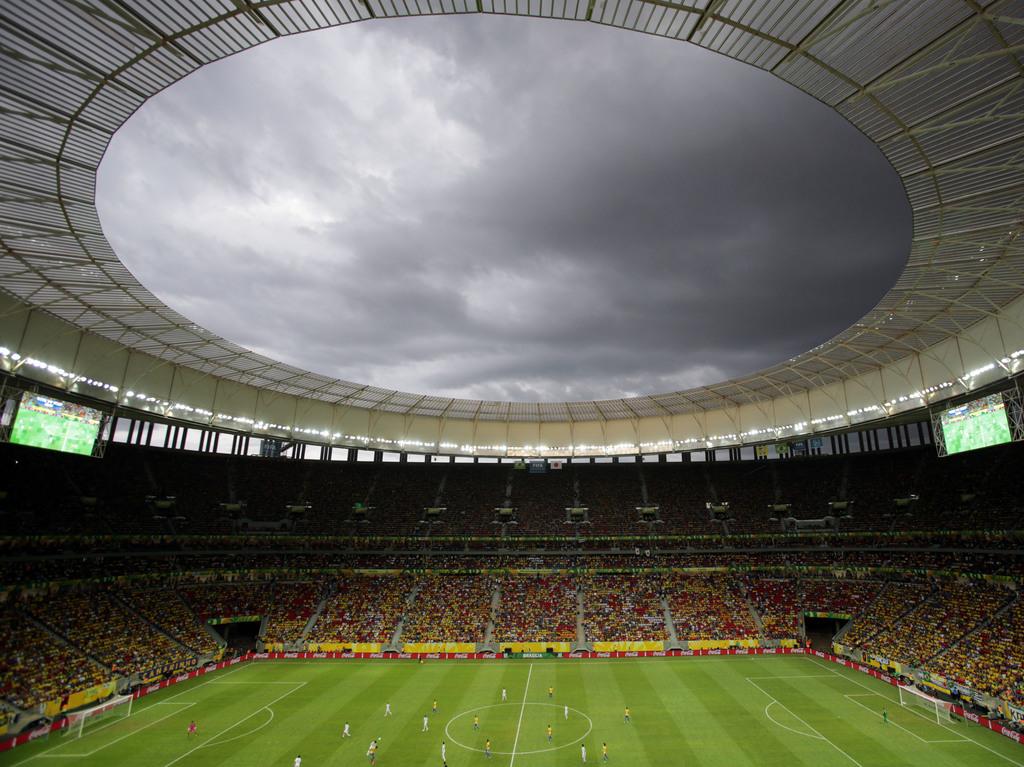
point(936, 84)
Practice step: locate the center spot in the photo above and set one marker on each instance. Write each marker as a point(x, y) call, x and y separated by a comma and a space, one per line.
point(500, 722)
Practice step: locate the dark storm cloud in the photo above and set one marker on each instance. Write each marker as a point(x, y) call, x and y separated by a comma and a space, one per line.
point(504, 209)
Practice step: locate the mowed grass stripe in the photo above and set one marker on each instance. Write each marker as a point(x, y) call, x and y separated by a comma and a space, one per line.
point(655, 732)
point(737, 710)
point(986, 747)
point(702, 713)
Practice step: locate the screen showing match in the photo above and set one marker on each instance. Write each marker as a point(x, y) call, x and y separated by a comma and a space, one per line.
point(56, 425)
point(976, 424)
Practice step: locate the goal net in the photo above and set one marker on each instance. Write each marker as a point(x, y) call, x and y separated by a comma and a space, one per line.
point(110, 711)
point(939, 710)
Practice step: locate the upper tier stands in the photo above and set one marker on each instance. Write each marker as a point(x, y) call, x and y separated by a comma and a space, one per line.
point(109, 495)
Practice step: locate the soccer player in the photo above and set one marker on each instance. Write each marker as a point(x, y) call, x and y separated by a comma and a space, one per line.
point(566, 712)
point(583, 752)
point(625, 717)
point(193, 728)
point(345, 733)
point(298, 761)
point(550, 733)
point(487, 748)
point(476, 721)
point(371, 752)
point(387, 709)
point(444, 754)
point(504, 694)
point(434, 709)
point(604, 752)
point(426, 724)
point(885, 716)
point(551, 692)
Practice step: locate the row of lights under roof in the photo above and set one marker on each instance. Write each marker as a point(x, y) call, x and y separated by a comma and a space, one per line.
point(71, 378)
point(171, 409)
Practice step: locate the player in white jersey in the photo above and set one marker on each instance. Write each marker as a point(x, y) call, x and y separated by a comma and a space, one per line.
point(504, 694)
point(345, 733)
point(387, 709)
point(298, 761)
point(444, 754)
point(426, 724)
point(583, 752)
point(566, 712)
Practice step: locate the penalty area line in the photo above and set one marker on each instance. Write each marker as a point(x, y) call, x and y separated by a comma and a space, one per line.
point(805, 724)
point(299, 686)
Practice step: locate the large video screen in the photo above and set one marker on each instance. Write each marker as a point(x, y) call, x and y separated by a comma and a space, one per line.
point(56, 425)
point(976, 424)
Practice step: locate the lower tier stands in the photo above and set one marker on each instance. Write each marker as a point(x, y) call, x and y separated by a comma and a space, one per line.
point(35, 667)
point(706, 607)
point(969, 632)
point(452, 608)
point(539, 608)
point(105, 628)
point(293, 606)
point(623, 608)
point(362, 609)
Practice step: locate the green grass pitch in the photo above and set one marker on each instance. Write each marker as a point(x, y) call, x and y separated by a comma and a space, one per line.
point(715, 712)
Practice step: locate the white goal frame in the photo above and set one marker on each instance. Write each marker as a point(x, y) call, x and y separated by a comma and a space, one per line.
point(119, 706)
point(911, 697)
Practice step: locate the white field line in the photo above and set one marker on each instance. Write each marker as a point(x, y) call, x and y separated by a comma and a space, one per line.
point(853, 699)
point(793, 676)
point(217, 678)
point(522, 709)
point(896, 701)
point(787, 727)
point(245, 734)
point(299, 686)
point(214, 681)
point(118, 740)
point(805, 724)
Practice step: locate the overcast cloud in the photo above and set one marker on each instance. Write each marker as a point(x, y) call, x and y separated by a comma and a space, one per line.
point(504, 208)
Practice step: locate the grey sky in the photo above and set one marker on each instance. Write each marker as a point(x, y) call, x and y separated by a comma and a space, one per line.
point(504, 209)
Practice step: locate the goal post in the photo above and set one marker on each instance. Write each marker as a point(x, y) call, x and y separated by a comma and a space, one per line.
point(113, 709)
point(939, 710)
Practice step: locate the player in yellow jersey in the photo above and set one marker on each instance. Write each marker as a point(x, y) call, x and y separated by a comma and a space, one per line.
point(551, 692)
point(604, 752)
point(476, 721)
point(487, 748)
point(551, 733)
point(626, 718)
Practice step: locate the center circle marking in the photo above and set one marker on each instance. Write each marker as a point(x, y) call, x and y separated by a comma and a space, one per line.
point(447, 731)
